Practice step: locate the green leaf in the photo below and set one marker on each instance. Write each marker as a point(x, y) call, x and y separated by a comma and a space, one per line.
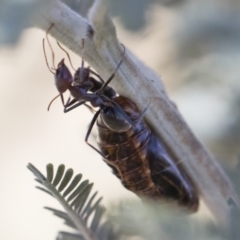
point(80, 207)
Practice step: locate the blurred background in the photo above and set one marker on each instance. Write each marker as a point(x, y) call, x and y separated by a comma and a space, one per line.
point(193, 45)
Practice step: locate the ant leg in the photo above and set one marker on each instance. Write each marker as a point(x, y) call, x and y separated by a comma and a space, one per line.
point(89, 107)
point(112, 76)
point(68, 108)
point(70, 103)
point(142, 115)
point(97, 75)
point(89, 131)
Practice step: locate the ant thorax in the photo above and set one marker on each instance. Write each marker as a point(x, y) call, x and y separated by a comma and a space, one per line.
point(81, 75)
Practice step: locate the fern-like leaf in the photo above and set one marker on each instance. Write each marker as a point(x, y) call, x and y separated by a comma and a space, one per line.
point(79, 205)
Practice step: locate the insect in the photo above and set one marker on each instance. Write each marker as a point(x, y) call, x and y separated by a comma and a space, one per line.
point(126, 143)
point(64, 79)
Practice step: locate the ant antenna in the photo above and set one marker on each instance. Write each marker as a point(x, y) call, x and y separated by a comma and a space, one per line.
point(97, 75)
point(68, 56)
point(53, 57)
point(49, 105)
point(112, 76)
point(45, 56)
point(89, 107)
point(82, 65)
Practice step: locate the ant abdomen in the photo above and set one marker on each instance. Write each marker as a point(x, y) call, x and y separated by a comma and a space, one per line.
point(140, 161)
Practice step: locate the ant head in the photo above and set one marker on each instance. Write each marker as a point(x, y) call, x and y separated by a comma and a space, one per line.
point(63, 77)
point(81, 75)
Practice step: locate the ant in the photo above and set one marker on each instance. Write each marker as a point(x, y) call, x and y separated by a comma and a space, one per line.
point(84, 88)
